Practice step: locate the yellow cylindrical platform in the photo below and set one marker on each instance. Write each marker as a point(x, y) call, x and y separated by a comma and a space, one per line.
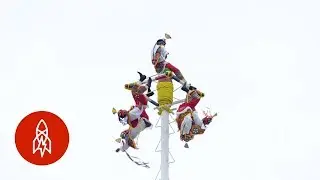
point(165, 93)
point(165, 96)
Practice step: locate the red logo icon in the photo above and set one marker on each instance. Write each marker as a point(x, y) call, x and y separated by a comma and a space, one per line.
point(42, 138)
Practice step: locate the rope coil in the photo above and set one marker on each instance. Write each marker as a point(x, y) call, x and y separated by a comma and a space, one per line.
point(165, 96)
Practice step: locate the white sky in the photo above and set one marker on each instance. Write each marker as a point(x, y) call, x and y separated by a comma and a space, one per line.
point(73, 57)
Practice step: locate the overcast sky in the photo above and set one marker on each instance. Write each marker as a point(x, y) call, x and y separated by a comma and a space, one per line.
point(256, 61)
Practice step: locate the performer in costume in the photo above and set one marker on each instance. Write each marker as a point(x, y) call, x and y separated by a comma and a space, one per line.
point(159, 56)
point(188, 120)
point(141, 89)
point(136, 117)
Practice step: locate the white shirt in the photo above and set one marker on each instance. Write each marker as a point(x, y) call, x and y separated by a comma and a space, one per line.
point(163, 52)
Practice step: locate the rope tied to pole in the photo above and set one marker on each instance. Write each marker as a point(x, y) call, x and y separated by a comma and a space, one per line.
point(165, 96)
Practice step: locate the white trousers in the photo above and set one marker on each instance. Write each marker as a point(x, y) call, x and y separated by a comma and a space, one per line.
point(133, 133)
point(186, 124)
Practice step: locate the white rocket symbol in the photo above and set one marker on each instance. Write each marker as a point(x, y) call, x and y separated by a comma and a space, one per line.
point(41, 141)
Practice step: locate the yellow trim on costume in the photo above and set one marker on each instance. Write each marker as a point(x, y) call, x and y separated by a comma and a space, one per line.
point(201, 94)
point(188, 96)
point(181, 116)
point(130, 85)
point(169, 74)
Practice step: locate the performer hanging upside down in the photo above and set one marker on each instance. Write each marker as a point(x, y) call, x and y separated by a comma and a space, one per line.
point(188, 120)
point(159, 56)
point(136, 117)
point(141, 89)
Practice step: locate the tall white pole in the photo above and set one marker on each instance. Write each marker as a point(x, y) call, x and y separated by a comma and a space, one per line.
point(165, 145)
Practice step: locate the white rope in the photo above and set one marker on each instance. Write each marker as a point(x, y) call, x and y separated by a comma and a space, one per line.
point(137, 160)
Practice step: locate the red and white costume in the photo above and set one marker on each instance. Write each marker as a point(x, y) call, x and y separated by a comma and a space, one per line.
point(188, 118)
point(137, 119)
point(158, 57)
